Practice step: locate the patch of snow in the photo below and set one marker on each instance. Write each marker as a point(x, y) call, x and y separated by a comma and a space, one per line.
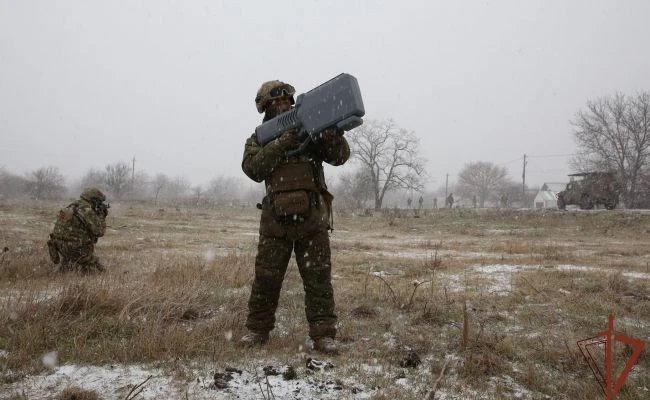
point(111, 382)
point(636, 275)
point(390, 339)
point(51, 359)
point(115, 382)
point(513, 231)
point(208, 255)
point(629, 274)
point(497, 277)
point(382, 273)
point(518, 391)
point(375, 369)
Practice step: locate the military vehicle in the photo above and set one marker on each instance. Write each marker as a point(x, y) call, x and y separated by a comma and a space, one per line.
point(589, 189)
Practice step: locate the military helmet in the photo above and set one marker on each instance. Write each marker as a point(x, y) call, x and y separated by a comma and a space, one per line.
point(92, 194)
point(272, 90)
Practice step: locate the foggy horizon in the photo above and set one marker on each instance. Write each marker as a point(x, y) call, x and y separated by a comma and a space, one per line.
point(87, 84)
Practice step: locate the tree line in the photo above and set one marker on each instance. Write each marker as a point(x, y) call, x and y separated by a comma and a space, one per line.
point(612, 133)
point(120, 182)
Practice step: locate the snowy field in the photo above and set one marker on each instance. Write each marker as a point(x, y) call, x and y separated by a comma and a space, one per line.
point(450, 305)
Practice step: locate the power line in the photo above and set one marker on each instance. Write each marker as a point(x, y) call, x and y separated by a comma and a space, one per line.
point(551, 155)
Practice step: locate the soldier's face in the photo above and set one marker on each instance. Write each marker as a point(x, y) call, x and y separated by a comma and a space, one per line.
point(281, 104)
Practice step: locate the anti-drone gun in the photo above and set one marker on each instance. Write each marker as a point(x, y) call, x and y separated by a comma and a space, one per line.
point(335, 104)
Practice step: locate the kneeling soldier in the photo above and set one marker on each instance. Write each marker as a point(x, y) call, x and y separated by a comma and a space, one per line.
point(76, 231)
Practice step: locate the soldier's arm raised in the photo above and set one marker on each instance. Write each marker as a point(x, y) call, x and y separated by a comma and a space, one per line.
point(258, 161)
point(94, 224)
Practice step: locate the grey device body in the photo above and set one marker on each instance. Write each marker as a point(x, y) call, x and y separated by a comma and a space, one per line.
point(336, 104)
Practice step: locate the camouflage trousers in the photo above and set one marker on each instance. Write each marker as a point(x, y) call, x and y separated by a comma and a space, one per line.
point(314, 266)
point(77, 256)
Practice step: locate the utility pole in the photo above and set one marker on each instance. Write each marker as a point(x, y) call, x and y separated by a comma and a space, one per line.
point(446, 185)
point(133, 173)
point(523, 178)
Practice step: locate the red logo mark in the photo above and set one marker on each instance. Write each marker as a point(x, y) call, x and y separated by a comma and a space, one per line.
point(611, 386)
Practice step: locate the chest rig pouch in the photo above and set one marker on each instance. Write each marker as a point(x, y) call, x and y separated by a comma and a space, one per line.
point(292, 189)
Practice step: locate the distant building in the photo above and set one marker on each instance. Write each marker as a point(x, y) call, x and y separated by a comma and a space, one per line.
point(546, 197)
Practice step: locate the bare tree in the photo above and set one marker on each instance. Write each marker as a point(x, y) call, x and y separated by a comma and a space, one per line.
point(140, 188)
point(198, 194)
point(224, 188)
point(353, 189)
point(159, 183)
point(389, 155)
point(177, 188)
point(481, 179)
point(45, 183)
point(93, 177)
point(613, 134)
point(11, 185)
point(117, 179)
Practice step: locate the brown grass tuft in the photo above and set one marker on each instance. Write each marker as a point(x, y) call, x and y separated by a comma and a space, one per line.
point(75, 393)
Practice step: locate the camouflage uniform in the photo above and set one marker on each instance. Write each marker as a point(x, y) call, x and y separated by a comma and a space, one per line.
point(296, 215)
point(77, 228)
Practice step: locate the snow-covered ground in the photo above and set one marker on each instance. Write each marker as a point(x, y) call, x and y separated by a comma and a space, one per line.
point(262, 378)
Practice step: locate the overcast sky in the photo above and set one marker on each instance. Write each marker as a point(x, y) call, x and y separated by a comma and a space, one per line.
point(87, 83)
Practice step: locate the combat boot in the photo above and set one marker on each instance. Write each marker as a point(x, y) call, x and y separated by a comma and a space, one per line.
point(252, 339)
point(54, 251)
point(66, 266)
point(326, 345)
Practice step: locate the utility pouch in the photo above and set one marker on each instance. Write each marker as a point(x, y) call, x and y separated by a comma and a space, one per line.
point(53, 250)
point(290, 189)
point(296, 203)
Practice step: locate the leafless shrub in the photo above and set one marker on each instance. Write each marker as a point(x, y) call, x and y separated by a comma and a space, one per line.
point(75, 393)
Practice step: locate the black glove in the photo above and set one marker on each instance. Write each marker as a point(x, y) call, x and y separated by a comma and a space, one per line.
point(331, 135)
point(288, 140)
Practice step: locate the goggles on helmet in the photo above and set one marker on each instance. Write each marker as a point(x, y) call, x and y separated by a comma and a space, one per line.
point(284, 90)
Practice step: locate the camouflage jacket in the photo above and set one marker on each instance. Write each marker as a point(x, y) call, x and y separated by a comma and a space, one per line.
point(79, 222)
point(265, 163)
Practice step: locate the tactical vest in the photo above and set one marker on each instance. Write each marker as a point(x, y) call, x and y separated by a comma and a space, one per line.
point(294, 188)
point(70, 227)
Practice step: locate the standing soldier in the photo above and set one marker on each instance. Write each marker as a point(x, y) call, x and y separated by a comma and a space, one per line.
point(76, 231)
point(450, 200)
point(296, 215)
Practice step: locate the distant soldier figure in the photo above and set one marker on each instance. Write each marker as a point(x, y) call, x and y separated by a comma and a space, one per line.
point(435, 203)
point(504, 200)
point(409, 201)
point(474, 203)
point(450, 200)
point(76, 231)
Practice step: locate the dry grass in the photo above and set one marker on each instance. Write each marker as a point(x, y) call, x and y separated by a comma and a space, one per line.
point(178, 282)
